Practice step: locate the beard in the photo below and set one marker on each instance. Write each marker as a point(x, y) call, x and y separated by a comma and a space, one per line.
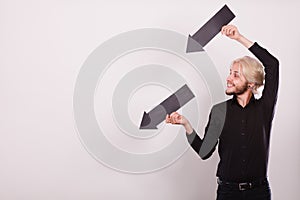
point(238, 90)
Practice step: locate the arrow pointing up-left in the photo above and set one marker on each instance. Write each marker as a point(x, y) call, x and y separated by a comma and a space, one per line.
point(171, 104)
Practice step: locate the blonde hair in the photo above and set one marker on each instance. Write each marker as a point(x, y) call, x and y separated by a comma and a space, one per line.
point(253, 71)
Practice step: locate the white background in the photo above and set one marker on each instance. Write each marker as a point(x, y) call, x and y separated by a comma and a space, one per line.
point(43, 45)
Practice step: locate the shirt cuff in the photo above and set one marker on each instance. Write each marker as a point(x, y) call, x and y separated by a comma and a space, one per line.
point(191, 136)
point(253, 46)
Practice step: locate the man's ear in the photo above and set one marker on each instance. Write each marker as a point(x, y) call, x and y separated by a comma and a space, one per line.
point(251, 85)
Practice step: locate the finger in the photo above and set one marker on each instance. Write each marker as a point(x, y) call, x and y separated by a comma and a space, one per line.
point(173, 113)
point(173, 118)
point(226, 27)
point(226, 31)
point(167, 119)
point(229, 30)
point(177, 118)
point(223, 30)
point(233, 29)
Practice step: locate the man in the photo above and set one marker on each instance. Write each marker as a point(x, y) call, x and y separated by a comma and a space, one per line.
point(243, 142)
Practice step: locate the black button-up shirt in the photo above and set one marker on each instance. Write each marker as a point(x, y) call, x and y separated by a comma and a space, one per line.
point(245, 134)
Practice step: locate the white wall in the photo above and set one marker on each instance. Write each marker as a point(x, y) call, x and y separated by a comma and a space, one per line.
point(45, 43)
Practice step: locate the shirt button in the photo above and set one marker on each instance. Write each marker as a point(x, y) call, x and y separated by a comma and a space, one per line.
point(242, 133)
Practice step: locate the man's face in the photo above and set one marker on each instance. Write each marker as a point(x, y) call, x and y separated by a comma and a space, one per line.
point(236, 81)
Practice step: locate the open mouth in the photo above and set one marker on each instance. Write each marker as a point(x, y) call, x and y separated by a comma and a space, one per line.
point(230, 85)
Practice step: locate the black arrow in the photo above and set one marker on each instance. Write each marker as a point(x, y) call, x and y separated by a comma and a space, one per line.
point(171, 104)
point(209, 30)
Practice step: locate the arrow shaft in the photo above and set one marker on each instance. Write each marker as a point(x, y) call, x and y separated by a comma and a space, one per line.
point(171, 104)
point(157, 115)
point(213, 26)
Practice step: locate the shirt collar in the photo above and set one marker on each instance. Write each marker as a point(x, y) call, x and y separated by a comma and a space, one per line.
point(235, 102)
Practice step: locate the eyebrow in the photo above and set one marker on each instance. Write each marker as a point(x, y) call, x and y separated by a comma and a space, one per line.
point(235, 71)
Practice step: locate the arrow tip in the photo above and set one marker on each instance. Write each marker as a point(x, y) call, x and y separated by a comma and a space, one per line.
point(146, 122)
point(193, 45)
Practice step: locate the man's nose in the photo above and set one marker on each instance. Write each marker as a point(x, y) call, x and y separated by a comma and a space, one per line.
point(229, 78)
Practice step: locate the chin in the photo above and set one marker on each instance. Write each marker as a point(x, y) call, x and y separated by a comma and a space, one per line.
point(228, 92)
